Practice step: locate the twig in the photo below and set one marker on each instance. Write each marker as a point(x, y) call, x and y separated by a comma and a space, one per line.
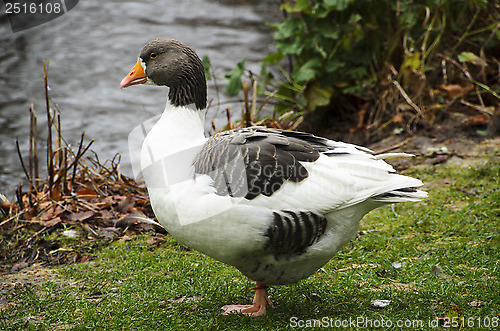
point(36, 234)
point(35, 147)
point(31, 152)
point(390, 148)
point(7, 220)
point(247, 106)
point(266, 101)
point(59, 136)
point(65, 175)
point(75, 164)
point(50, 161)
point(228, 116)
point(408, 100)
point(86, 205)
point(21, 159)
point(254, 102)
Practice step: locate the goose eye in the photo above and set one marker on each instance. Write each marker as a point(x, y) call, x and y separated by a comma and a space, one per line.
point(153, 55)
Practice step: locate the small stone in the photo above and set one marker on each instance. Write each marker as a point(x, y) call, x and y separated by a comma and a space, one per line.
point(380, 303)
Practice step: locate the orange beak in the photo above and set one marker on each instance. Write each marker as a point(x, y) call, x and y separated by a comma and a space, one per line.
point(135, 76)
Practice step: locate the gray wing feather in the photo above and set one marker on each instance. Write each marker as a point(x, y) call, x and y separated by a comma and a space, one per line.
point(253, 161)
point(292, 232)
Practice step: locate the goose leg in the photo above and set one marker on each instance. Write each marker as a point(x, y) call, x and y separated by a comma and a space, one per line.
point(258, 308)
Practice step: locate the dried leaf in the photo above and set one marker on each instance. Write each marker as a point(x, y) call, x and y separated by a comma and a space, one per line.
point(51, 222)
point(478, 118)
point(108, 233)
point(436, 271)
point(86, 192)
point(18, 266)
point(456, 90)
point(156, 240)
point(71, 257)
point(107, 215)
point(123, 204)
point(9, 206)
point(84, 258)
point(398, 118)
point(81, 216)
point(127, 237)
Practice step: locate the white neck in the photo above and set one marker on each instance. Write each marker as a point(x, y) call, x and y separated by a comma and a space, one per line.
point(177, 130)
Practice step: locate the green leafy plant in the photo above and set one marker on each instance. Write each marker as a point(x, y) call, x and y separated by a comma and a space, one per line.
point(342, 54)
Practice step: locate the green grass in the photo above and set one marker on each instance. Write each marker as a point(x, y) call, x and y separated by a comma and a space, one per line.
point(135, 285)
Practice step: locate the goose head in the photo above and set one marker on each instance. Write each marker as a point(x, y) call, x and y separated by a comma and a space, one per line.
point(169, 62)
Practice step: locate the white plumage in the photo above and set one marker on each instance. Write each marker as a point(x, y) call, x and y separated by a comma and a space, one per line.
point(214, 195)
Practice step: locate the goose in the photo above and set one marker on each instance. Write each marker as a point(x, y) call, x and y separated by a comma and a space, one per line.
point(275, 204)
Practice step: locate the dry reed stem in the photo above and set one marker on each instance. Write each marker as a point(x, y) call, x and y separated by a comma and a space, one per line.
point(50, 161)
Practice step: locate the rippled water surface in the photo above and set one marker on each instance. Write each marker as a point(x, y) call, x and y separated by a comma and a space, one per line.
point(92, 47)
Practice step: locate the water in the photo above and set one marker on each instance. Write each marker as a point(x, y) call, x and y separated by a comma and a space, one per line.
point(93, 46)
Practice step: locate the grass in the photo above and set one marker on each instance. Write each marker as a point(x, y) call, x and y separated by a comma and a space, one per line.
point(140, 284)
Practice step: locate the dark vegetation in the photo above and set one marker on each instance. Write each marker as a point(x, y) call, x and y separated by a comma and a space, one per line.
point(371, 68)
point(80, 198)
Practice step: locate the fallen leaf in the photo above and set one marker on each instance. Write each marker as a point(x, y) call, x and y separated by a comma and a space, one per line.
point(155, 240)
point(51, 222)
point(436, 271)
point(84, 258)
point(456, 90)
point(71, 257)
point(108, 233)
point(107, 214)
point(472, 58)
point(476, 303)
point(380, 303)
point(123, 204)
point(397, 118)
point(81, 216)
point(127, 237)
point(18, 266)
point(8, 206)
point(50, 213)
point(86, 192)
point(146, 226)
point(478, 118)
